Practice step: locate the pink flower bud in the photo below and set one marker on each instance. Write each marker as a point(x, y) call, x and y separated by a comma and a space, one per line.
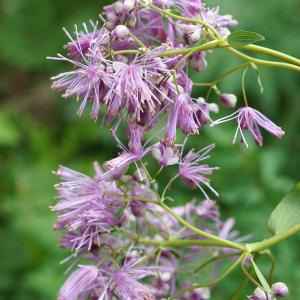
point(121, 32)
point(129, 4)
point(280, 290)
point(119, 7)
point(229, 100)
point(259, 294)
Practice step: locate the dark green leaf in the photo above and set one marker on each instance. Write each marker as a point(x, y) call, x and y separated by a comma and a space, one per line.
point(243, 38)
point(287, 212)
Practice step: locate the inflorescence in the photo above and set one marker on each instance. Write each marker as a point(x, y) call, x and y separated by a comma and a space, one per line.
point(124, 241)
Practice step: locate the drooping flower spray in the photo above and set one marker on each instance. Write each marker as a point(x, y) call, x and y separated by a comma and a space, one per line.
point(126, 239)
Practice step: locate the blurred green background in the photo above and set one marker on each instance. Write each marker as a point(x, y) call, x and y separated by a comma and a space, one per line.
point(38, 131)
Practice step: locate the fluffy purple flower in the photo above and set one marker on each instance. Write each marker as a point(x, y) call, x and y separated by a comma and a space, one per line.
point(208, 210)
point(135, 152)
point(250, 119)
point(124, 281)
point(79, 284)
point(193, 173)
point(86, 40)
point(89, 80)
point(134, 87)
point(184, 115)
point(85, 207)
point(221, 22)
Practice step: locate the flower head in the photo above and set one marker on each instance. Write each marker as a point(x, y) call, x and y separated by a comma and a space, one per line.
point(135, 152)
point(221, 22)
point(124, 281)
point(85, 207)
point(193, 173)
point(88, 81)
point(86, 40)
point(181, 115)
point(134, 87)
point(82, 281)
point(250, 119)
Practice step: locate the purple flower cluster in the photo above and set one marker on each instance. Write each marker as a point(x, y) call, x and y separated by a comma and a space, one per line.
point(99, 220)
point(133, 69)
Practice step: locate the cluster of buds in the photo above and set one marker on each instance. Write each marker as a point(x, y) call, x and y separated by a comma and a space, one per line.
point(133, 68)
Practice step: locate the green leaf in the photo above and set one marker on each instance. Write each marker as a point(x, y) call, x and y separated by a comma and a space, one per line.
point(261, 277)
point(287, 212)
point(243, 38)
point(175, 11)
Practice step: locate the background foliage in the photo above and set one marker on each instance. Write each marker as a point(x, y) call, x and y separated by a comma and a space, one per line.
point(38, 131)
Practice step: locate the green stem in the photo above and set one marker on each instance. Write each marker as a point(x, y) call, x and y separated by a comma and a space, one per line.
point(243, 284)
point(202, 233)
point(226, 74)
point(138, 41)
point(144, 200)
point(263, 50)
point(248, 275)
point(188, 51)
point(268, 243)
point(211, 283)
point(213, 259)
point(272, 53)
point(167, 186)
point(189, 20)
point(181, 243)
point(129, 51)
point(243, 86)
point(264, 62)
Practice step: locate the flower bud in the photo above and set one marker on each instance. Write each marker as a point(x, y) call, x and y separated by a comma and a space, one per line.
point(280, 290)
point(195, 36)
point(189, 33)
point(229, 100)
point(213, 107)
point(121, 32)
point(129, 5)
point(198, 62)
point(119, 7)
point(259, 294)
